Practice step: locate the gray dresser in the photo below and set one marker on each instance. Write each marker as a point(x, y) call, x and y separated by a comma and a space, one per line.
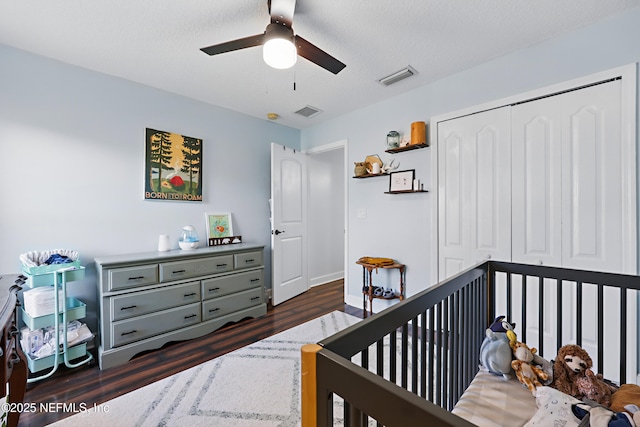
point(149, 299)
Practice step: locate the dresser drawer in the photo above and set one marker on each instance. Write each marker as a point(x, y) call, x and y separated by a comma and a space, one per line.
point(248, 260)
point(219, 286)
point(143, 302)
point(228, 304)
point(138, 328)
point(197, 267)
point(131, 277)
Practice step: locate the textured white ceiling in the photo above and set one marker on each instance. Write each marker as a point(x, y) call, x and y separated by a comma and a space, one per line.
point(157, 42)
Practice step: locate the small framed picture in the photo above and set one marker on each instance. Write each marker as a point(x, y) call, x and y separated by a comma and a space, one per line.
point(219, 224)
point(401, 180)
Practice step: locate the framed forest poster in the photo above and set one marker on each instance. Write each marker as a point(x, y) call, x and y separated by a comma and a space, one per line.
point(173, 167)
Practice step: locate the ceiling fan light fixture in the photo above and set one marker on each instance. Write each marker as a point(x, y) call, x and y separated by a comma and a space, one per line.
point(278, 50)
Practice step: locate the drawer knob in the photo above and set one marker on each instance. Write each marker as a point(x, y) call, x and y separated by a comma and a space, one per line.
point(128, 307)
point(255, 280)
point(254, 298)
point(189, 295)
point(190, 316)
point(213, 310)
point(249, 260)
point(221, 265)
point(214, 289)
point(136, 278)
point(128, 333)
point(178, 271)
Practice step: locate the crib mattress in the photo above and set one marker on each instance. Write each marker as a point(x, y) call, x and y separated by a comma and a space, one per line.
point(492, 401)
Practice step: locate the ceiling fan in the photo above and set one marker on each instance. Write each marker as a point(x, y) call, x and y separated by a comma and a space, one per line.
point(280, 45)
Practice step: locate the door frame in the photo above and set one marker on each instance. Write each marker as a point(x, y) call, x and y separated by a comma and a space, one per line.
point(344, 145)
point(626, 73)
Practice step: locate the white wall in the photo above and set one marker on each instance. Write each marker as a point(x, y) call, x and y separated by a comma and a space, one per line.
point(326, 216)
point(72, 154)
point(401, 227)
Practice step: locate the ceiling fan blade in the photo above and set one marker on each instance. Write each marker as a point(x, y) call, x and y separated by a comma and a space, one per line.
point(232, 45)
point(281, 11)
point(318, 56)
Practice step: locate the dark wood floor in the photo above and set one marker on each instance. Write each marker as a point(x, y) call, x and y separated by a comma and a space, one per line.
point(89, 385)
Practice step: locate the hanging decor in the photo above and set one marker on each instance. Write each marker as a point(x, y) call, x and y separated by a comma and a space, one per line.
point(173, 167)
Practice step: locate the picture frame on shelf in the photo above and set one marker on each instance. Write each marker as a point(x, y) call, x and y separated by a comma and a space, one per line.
point(401, 180)
point(219, 225)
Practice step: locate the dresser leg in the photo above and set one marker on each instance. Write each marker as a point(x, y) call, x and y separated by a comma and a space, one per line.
point(17, 387)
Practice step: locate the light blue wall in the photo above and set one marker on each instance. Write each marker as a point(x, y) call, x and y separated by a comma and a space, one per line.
point(400, 226)
point(72, 158)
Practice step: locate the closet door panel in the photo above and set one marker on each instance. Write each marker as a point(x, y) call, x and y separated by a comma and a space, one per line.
point(536, 180)
point(592, 211)
point(453, 228)
point(474, 190)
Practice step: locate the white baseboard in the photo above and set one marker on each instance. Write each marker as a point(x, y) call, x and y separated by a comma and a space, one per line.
point(321, 280)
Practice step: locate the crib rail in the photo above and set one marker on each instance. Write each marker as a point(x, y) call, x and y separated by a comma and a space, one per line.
point(409, 364)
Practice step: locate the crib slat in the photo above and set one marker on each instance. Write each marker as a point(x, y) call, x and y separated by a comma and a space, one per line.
point(439, 354)
point(540, 315)
point(523, 328)
point(579, 313)
point(559, 304)
point(623, 335)
point(600, 300)
point(414, 355)
point(404, 356)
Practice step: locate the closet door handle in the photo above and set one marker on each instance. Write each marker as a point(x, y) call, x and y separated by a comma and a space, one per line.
point(276, 232)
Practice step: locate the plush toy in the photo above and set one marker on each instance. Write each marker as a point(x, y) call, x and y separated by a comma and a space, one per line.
point(627, 398)
point(572, 375)
point(526, 371)
point(495, 351)
point(593, 387)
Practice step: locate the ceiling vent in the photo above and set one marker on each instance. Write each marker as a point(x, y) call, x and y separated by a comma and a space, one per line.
point(397, 76)
point(308, 111)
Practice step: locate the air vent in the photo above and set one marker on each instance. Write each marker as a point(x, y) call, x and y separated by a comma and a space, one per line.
point(308, 111)
point(397, 76)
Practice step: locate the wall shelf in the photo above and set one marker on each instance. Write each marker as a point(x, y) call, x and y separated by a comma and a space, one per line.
point(371, 175)
point(406, 148)
point(406, 191)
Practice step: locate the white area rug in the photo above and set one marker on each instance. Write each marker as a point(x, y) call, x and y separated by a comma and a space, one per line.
point(254, 386)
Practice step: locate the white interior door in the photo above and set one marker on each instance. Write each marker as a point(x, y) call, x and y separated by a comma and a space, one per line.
point(289, 223)
point(474, 190)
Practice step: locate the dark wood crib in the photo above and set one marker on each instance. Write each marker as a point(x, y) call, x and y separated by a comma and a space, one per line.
point(410, 364)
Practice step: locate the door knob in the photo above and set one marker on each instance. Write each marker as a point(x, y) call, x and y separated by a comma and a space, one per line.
point(278, 232)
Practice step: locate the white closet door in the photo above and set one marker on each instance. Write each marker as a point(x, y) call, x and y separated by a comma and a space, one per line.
point(568, 175)
point(474, 190)
point(592, 177)
point(570, 205)
point(537, 199)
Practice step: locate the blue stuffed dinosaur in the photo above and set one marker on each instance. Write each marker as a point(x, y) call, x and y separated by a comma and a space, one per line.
point(495, 352)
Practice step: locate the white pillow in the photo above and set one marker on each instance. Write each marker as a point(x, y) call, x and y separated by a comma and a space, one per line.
point(554, 408)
